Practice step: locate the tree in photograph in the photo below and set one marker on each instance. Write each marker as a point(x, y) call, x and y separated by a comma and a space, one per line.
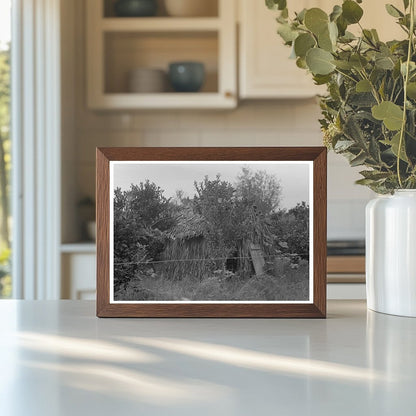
point(142, 215)
point(238, 217)
point(258, 194)
point(215, 202)
point(292, 230)
point(260, 189)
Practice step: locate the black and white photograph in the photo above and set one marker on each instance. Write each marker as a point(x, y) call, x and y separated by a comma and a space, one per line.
point(210, 231)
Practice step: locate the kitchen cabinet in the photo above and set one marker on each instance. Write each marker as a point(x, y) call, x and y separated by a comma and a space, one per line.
point(78, 271)
point(265, 70)
point(118, 45)
point(346, 277)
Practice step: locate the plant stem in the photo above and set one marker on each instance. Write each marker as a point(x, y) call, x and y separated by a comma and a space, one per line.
point(373, 88)
point(406, 80)
point(346, 75)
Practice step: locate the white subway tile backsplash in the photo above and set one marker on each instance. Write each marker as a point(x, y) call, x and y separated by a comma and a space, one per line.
point(173, 138)
point(95, 120)
point(278, 117)
point(88, 140)
point(146, 120)
point(202, 120)
point(306, 114)
point(231, 138)
point(280, 137)
point(346, 219)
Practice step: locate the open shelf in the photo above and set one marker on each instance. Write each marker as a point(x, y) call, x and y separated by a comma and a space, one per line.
point(167, 100)
point(160, 24)
point(119, 45)
point(87, 247)
point(211, 9)
point(126, 51)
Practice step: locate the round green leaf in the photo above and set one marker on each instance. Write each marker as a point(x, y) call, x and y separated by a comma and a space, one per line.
point(344, 65)
point(342, 25)
point(316, 20)
point(393, 11)
point(358, 61)
point(276, 4)
point(391, 114)
point(395, 144)
point(411, 90)
point(351, 11)
point(363, 86)
point(328, 38)
point(336, 12)
point(301, 63)
point(303, 43)
point(319, 61)
point(287, 33)
point(324, 41)
point(322, 79)
point(347, 37)
point(384, 62)
point(333, 32)
point(301, 15)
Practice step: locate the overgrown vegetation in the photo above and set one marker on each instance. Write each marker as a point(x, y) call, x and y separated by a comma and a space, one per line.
point(369, 113)
point(200, 248)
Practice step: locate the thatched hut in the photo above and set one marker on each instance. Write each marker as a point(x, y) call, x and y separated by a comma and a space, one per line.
point(191, 250)
point(188, 251)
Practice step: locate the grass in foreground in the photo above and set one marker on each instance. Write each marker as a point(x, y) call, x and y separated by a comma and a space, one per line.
point(290, 284)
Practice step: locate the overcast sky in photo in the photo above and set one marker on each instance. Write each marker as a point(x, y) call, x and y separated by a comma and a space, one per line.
point(293, 177)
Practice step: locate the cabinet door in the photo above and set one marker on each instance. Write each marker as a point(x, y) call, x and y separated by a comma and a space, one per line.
point(265, 68)
point(78, 276)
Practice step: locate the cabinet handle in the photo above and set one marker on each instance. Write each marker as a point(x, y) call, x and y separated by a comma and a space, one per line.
point(229, 94)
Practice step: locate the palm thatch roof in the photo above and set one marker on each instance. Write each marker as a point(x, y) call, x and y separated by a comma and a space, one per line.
point(189, 225)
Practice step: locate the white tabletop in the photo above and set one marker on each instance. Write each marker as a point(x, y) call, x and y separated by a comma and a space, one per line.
point(57, 358)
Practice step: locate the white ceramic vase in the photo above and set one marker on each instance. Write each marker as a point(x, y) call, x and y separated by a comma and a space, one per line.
point(391, 253)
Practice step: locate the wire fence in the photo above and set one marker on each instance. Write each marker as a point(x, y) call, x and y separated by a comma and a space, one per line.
point(210, 259)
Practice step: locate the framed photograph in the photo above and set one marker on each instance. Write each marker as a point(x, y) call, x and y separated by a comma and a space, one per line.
point(211, 232)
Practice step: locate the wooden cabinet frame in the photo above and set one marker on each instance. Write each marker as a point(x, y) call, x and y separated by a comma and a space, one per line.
point(224, 26)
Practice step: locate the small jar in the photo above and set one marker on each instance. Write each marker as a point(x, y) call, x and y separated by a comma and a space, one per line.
point(135, 8)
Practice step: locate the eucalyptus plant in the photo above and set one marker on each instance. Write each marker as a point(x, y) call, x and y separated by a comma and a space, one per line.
point(369, 111)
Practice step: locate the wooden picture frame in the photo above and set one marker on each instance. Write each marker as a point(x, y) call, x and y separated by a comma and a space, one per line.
point(315, 157)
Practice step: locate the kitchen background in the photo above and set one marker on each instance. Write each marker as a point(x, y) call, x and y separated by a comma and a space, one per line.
point(281, 119)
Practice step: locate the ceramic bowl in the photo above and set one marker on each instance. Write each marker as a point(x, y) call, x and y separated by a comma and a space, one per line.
point(191, 8)
point(135, 8)
point(92, 230)
point(147, 80)
point(186, 76)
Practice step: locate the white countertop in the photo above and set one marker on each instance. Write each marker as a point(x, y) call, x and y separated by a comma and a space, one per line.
point(57, 358)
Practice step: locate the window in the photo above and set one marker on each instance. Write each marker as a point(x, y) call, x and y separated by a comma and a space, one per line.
point(5, 147)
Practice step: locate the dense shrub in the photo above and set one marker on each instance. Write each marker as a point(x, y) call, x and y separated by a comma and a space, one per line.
point(291, 228)
point(141, 217)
